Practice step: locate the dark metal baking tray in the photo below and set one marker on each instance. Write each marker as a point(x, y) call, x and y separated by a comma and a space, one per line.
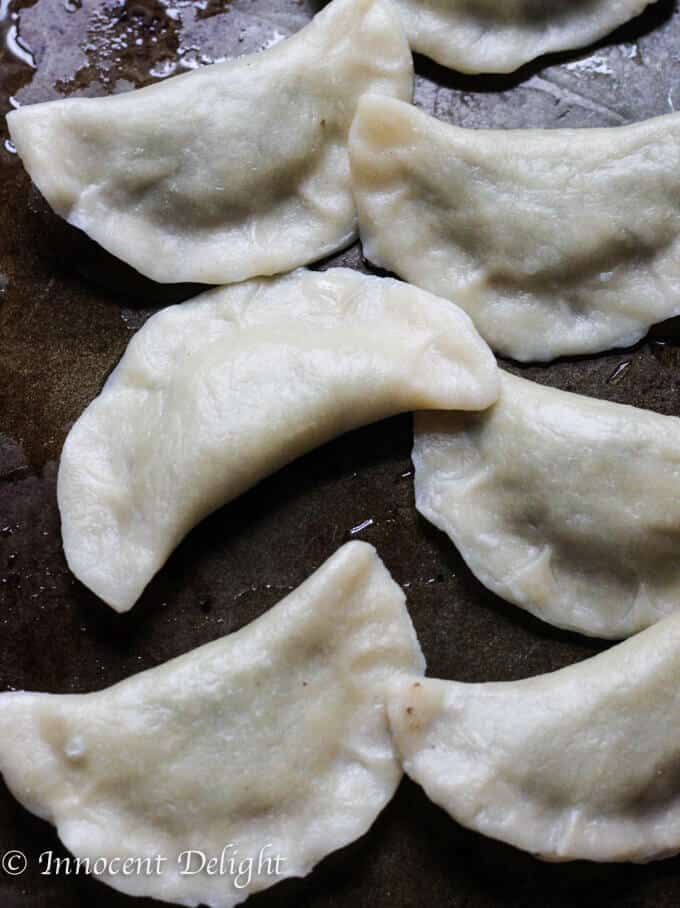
point(67, 311)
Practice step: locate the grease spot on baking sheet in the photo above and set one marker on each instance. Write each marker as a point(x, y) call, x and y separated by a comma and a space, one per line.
point(598, 63)
point(90, 48)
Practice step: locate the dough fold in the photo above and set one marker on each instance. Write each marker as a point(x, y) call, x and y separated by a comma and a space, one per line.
point(499, 36)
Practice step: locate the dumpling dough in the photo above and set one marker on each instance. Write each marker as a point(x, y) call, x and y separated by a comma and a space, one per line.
point(235, 170)
point(556, 242)
point(273, 736)
point(498, 36)
point(583, 763)
point(215, 394)
point(565, 505)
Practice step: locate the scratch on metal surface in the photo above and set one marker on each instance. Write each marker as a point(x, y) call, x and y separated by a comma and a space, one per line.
point(547, 85)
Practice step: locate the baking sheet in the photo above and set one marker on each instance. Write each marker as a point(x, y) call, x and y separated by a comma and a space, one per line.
point(67, 311)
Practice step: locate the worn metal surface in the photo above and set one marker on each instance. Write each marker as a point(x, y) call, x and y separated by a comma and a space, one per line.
point(67, 311)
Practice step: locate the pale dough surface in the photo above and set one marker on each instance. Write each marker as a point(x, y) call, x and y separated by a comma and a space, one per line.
point(499, 36)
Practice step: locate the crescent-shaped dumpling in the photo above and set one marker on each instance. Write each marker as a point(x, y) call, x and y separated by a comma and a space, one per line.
point(215, 394)
point(556, 242)
point(270, 742)
point(499, 36)
point(579, 764)
point(234, 170)
point(565, 505)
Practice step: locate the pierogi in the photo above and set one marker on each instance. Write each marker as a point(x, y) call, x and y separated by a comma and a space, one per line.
point(271, 742)
point(555, 241)
point(580, 764)
point(231, 171)
point(562, 504)
point(213, 395)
